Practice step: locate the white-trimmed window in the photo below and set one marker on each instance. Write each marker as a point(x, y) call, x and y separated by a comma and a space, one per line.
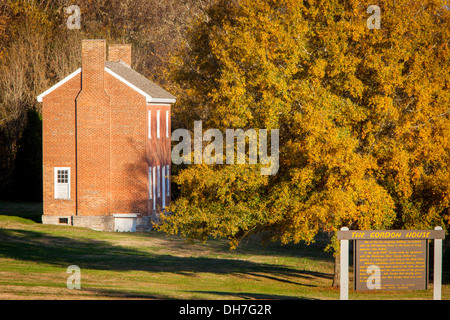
point(163, 184)
point(158, 121)
point(168, 179)
point(62, 182)
point(150, 184)
point(167, 123)
point(154, 187)
point(149, 124)
point(158, 181)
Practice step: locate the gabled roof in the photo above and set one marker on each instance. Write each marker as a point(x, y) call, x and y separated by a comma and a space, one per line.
point(138, 82)
point(152, 92)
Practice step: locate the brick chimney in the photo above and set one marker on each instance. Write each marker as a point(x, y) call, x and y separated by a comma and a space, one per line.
point(93, 114)
point(93, 58)
point(120, 52)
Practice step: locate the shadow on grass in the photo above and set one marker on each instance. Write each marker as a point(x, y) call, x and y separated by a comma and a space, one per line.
point(28, 210)
point(101, 255)
point(120, 294)
point(252, 295)
point(254, 246)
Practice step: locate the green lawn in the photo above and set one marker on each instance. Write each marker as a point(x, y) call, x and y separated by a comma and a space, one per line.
point(34, 259)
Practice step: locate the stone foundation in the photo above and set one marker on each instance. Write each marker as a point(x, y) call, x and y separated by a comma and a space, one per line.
point(99, 223)
point(60, 220)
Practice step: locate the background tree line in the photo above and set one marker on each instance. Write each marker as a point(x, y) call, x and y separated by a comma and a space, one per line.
point(363, 114)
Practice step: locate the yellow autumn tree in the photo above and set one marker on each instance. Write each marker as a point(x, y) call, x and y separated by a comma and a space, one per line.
point(363, 117)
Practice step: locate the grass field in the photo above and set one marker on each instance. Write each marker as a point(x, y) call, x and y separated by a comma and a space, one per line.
point(34, 260)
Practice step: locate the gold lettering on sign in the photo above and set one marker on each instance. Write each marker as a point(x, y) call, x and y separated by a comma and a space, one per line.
point(356, 235)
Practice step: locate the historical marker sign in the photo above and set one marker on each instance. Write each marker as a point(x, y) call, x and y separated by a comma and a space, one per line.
point(391, 259)
point(390, 264)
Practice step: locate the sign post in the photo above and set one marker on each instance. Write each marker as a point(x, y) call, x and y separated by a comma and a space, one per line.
point(391, 259)
point(437, 277)
point(344, 267)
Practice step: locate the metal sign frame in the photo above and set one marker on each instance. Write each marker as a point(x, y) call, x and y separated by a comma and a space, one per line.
point(345, 235)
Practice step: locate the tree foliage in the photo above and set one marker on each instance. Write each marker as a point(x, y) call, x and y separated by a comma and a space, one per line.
point(363, 115)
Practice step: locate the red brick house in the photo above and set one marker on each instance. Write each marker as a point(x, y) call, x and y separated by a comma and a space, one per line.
point(106, 143)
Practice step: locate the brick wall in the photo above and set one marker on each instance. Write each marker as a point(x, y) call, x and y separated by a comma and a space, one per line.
point(58, 136)
point(93, 133)
point(128, 153)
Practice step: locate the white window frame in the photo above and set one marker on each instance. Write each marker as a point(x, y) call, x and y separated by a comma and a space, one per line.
point(168, 180)
point(154, 187)
point(56, 184)
point(150, 184)
point(158, 182)
point(163, 187)
point(149, 124)
point(158, 123)
point(167, 123)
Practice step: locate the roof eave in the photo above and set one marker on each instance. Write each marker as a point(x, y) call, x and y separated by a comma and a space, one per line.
point(164, 101)
point(148, 98)
point(60, 83)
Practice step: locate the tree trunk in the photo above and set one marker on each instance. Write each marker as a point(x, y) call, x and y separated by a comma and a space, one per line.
point(337, 271)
